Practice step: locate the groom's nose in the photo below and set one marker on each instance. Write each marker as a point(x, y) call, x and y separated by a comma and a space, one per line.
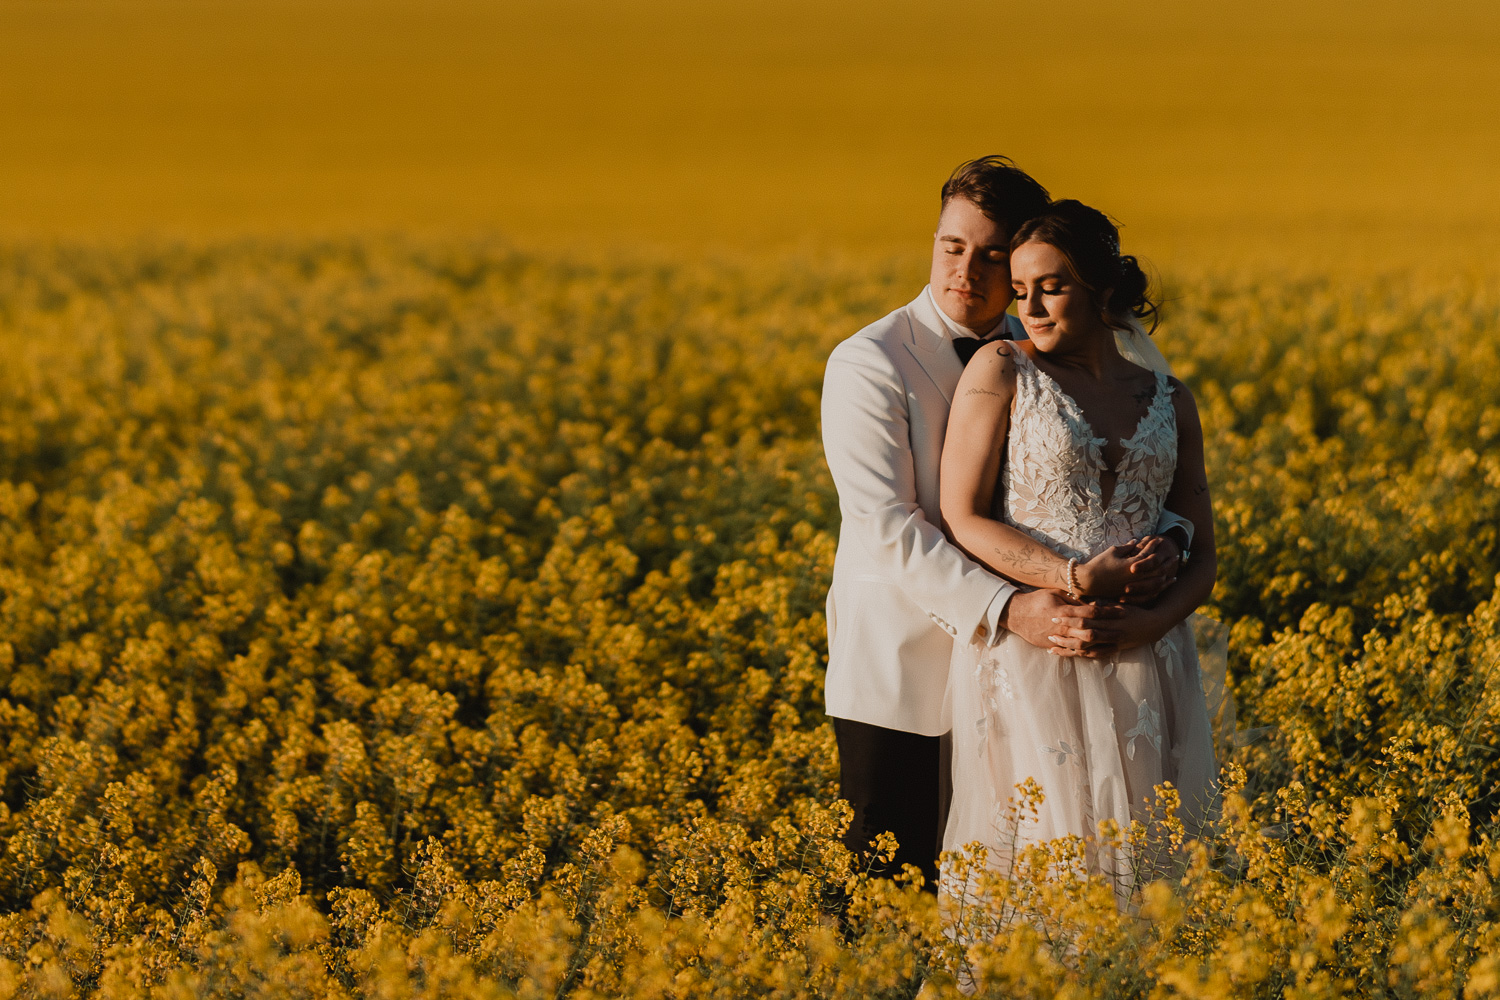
point(969, 265)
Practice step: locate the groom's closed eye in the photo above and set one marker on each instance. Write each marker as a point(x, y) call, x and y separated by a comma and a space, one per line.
point(954, 248)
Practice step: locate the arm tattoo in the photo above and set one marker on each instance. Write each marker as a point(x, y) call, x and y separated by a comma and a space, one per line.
point(1200, 489)
point(976, 391)
point(1030, 559)
point(1146, 395)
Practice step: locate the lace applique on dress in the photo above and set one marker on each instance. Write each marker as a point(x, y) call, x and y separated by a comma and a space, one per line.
point(1054, 464)
point(1148, 725)
point(1168, 653)
point(1062, 753)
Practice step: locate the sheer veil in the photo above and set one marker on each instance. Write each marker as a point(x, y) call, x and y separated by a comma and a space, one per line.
point(1137, 347)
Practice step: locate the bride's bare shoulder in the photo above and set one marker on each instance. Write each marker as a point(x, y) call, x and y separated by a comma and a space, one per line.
point(993, 367)
point(1183, 402)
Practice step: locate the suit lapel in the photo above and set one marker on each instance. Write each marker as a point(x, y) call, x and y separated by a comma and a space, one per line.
point(929, 345)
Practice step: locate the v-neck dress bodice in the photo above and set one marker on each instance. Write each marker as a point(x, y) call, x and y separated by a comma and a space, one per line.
point(1051, 478)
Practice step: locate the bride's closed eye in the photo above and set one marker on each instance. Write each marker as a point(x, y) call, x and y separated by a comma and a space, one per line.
point(1021, 291)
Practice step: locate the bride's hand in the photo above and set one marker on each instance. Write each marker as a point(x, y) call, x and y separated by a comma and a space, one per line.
point(1153, 569)
point(1111, 573)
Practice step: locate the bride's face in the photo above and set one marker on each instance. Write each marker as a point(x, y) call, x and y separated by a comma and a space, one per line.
point(1057, 311)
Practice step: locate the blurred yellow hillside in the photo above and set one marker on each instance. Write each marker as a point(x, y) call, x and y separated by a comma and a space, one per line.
point(1319, 133)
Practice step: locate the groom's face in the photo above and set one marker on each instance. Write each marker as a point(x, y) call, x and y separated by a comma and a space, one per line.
point(971, 266)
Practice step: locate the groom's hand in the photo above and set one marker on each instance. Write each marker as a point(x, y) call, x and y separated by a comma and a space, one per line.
point(1043, 616)
point(1097, 637)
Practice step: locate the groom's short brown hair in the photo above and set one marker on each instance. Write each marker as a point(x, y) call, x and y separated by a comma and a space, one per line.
point(1003, 191)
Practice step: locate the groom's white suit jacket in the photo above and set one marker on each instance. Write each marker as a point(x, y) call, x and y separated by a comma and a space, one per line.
point(901, 591)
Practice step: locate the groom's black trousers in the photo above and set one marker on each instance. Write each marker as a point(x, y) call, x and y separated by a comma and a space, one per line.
point(897, 782)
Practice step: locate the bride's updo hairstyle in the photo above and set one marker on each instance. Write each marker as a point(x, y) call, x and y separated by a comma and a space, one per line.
point(1090, 243)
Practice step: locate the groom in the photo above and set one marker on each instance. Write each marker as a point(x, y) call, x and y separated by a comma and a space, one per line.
point(902, 594)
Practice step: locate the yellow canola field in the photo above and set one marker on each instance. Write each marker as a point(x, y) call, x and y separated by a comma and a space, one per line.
point(441, 620)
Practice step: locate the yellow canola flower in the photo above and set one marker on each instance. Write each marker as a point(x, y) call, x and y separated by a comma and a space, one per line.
point(444, 620)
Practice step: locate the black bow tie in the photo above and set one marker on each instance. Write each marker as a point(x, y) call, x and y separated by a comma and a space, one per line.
point(966, 347)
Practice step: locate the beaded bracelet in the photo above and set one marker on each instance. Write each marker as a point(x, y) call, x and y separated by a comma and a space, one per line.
point(1073, 579)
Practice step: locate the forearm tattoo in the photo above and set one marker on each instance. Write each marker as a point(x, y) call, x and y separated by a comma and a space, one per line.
point(1031, 559)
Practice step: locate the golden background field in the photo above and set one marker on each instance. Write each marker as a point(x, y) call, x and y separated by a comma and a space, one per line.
point(1306, 134)
point(414, 528)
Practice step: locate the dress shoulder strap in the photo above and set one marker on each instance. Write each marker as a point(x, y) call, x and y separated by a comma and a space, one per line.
point(1161, 415)
point(1029, 383)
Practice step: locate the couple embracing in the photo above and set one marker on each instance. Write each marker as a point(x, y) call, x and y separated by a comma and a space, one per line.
point(1026, 529)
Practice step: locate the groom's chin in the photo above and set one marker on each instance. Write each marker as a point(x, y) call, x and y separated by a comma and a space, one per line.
point(973, 312)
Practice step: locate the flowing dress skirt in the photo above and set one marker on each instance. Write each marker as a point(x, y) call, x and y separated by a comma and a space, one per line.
point(1097, 736)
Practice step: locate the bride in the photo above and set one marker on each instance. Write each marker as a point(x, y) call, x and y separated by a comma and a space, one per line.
point(1064, 443)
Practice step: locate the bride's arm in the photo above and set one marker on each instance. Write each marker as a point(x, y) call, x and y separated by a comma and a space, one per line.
point(977, 427)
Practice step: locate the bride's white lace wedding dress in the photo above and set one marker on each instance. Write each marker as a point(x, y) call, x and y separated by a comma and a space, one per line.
point(1096, 735)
